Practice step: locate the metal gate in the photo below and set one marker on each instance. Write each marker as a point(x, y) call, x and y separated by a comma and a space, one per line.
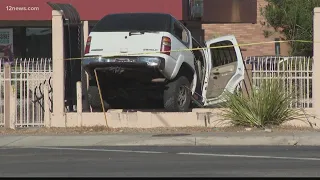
point(26, 79)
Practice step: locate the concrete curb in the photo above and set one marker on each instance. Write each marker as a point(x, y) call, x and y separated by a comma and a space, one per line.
point(208, 139)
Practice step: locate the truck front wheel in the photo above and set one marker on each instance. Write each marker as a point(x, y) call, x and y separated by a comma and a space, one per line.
point(177, 95)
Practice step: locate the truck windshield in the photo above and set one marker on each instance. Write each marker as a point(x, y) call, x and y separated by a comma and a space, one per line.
point(133, 22)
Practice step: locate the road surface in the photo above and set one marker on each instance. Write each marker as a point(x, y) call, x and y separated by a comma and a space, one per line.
point(165, 161)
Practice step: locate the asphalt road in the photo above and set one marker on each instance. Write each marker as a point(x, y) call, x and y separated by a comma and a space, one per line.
point(217, 161)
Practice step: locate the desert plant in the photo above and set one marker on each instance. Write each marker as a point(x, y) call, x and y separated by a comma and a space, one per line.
point(267, 106)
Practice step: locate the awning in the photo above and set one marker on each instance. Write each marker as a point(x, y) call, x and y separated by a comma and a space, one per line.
point(70, 14)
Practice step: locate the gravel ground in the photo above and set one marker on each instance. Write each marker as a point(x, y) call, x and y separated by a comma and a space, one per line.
point(104, 130)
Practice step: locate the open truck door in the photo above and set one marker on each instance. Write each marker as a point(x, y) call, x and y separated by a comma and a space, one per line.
point(225, 69)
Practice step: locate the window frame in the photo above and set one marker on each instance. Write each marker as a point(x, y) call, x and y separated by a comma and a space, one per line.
point(183, 28)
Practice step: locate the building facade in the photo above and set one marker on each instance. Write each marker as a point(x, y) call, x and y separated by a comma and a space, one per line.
point(249, 33)
point(25, 25)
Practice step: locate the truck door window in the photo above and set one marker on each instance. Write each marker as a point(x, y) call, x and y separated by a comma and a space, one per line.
point(181, 33)
point(230, 53)
point(224, 55)
point(233, 53)
point(216, 55)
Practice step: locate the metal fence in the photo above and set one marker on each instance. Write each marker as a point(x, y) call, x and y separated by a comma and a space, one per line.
point(294, 72)
point(27, 78)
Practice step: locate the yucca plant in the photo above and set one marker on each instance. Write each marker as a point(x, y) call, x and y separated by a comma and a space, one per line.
point(269, 105)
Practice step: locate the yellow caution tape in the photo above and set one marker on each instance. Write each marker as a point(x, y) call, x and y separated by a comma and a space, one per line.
point(193, 49)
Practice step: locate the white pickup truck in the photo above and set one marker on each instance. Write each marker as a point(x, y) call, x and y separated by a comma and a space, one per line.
point(145, 60)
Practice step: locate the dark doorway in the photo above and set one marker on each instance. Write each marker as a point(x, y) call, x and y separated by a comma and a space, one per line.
point(73, 50)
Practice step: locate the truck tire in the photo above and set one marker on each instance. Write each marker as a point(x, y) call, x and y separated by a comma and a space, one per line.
point(94, 99)
point(177, 97)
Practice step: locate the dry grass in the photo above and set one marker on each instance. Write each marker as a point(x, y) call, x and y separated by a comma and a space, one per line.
point(103, 130)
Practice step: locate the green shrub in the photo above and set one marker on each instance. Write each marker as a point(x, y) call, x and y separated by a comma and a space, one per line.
point(269, 105)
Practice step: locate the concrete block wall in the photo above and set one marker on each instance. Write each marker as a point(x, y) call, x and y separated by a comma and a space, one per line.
point(197, 118)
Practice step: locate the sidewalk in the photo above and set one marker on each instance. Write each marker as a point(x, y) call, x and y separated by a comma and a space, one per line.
point(198, 139)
